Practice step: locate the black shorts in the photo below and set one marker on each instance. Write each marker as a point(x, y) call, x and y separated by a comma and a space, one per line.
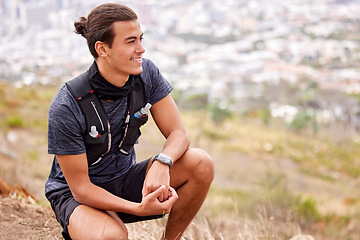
point(128, 187)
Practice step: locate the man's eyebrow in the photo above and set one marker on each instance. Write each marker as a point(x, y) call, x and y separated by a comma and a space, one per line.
point(133, 37)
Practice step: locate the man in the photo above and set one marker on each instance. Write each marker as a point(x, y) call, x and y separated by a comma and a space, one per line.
point(95, 190)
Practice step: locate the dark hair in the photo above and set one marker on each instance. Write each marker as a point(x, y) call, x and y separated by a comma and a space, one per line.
point(98, 26)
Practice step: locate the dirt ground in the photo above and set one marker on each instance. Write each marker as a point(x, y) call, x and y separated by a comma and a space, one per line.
point(21, 218)
point(22, 166)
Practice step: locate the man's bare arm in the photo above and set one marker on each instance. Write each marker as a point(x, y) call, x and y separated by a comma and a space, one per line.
point(167, 118)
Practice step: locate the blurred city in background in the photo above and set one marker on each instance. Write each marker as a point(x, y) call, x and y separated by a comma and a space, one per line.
point(240, 53)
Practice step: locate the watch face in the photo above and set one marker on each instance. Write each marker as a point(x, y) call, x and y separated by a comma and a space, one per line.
point(164, 158)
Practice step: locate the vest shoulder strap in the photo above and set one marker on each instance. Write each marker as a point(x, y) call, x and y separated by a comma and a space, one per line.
point(79, 86)
point(91, 108)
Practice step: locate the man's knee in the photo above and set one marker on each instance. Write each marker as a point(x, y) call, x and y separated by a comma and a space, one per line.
point(115, 228)
point(204, 169)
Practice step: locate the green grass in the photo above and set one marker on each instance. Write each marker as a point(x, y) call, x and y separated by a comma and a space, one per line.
point(250, 136)
point(25, 107)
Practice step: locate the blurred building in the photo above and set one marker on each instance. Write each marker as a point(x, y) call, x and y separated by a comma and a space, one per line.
point(35, 15)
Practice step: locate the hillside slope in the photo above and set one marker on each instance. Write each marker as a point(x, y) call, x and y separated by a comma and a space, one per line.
point(268, 183)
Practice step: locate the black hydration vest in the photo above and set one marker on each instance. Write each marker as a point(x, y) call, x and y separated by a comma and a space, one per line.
point(97, 136)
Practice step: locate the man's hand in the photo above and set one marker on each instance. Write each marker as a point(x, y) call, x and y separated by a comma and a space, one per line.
point(157, 176)
point(150, 205)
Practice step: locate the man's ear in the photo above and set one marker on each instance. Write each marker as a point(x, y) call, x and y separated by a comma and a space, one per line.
point(101, 48)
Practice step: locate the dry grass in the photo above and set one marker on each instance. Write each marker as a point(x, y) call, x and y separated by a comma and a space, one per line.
point(220, 228)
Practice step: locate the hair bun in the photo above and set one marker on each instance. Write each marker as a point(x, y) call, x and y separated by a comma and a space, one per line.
point(80, 26)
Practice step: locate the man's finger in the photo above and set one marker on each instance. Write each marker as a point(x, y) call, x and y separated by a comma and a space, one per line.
point(171, 200)
point(161, 197)
point(158, 192)
point(165, 196)
point(173, 193)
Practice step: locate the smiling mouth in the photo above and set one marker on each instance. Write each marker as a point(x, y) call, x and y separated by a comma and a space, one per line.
point(139, 59)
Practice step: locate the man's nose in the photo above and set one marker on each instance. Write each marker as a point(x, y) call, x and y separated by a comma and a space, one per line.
point(140, 48)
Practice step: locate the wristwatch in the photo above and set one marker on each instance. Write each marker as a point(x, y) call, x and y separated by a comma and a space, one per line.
point(161, 157)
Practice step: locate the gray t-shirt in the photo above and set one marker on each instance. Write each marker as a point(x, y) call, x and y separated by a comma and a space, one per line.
point(67, 127)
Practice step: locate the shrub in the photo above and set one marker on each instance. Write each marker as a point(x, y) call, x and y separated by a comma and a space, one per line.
point(300, 122)
point(307, 210)
point(14, 121)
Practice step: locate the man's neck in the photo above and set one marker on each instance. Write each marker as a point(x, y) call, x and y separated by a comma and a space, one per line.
point(110, 74)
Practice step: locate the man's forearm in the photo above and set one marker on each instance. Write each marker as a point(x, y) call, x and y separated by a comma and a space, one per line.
point(176, 144)
point(97, 197)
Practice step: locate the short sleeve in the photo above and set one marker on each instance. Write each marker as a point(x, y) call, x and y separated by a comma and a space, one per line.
point(65, 129)
point(156, 86)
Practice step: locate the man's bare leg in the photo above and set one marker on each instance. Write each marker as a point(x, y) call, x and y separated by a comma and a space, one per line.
point(90, 223)
point(191, 176)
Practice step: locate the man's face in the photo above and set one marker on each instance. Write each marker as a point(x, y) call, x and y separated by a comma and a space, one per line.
point(125, 54)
